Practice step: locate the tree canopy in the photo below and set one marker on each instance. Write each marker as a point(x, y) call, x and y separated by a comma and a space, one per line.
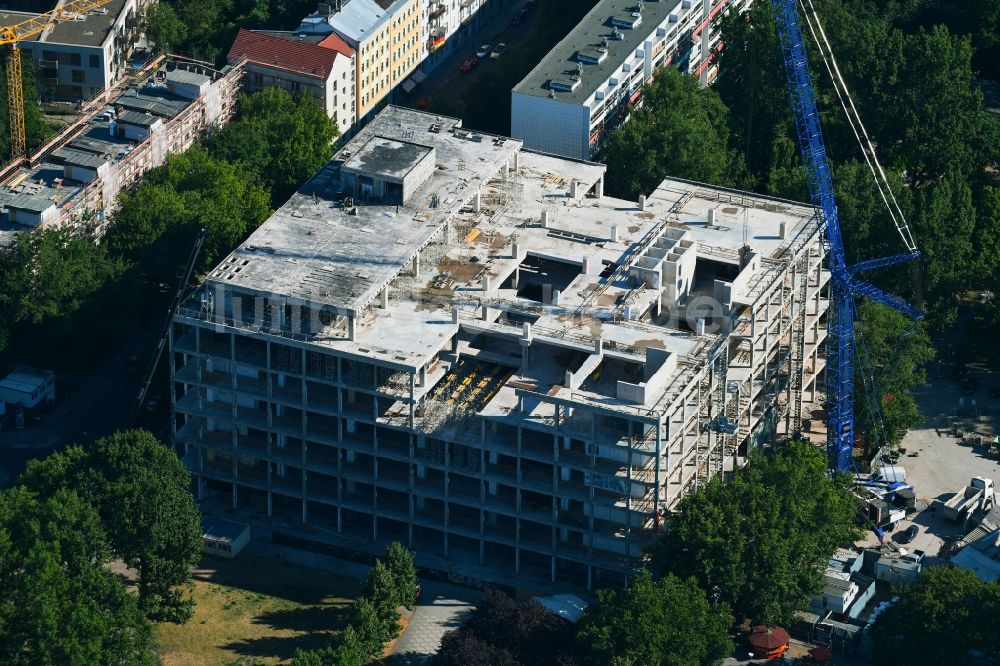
point(501, 632)
point(283, 139)
point(668, 622)
point(374, 618)
point(211, 25)
point(947, 616)
point(758, 542)
point(156, 222)
point(60, 604)
point(680, 130)
point(140, 489)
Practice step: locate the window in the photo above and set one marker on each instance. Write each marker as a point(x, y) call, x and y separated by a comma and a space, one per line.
point(95, 62)
point(77, 76)
point(74, 59)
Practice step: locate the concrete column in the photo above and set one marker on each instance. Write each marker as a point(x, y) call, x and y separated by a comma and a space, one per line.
point(384, 296)
point(546, 219)
point(477, 202)
point(614, 233)
point(555, 297)
point(486, 283)
point(641, 204)
point(599, 187)
point(416, 264)
point(573, 187)
point(350, 328)
point(454, 314)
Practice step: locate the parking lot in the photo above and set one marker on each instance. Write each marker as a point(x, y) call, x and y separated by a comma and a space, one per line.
point(937, 463)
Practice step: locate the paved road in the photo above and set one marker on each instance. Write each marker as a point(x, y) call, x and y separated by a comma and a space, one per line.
point(442, 607)
point(446, 82)
point(86, 407)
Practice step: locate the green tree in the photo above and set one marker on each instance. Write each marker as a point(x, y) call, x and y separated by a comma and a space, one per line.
point(375, 625)
point(163, 27)
point(947, 616)
point(141, 490)
point(751, 84)
point(153, 520)
point(51, 273)
point(36, 128)
point(155, 224)
point(347, 651)
point(283, 139)
point(760, 541)
point(669, 622)
point(61, 299)
point(681, 130)
point(399, 561)
point(898, 350)
point(60, 604)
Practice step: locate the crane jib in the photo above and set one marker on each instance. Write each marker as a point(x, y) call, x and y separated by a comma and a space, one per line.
point(843, 287)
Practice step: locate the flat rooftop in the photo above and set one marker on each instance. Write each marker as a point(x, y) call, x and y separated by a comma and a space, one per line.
point(388, 157)
point(38, 188)
point(316, 250)
point(92, 29)
point(485, 271)
point(593, 41)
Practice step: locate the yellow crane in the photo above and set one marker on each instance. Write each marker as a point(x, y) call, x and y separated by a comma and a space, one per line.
point(10, 36)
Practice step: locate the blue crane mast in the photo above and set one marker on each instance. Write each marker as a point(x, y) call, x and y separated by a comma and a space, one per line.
point(842, 349)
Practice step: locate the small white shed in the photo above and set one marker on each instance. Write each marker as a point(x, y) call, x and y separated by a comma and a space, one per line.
point(224, 538)
point(28, 387)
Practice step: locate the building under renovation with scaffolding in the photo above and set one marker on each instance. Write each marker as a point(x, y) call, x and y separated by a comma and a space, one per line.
point(74, 180)
point(447, 340)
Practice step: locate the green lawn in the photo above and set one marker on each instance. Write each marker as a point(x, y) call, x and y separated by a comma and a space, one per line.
point(255, 610)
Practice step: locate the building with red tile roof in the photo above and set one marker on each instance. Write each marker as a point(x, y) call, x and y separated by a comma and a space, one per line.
point(324, 68)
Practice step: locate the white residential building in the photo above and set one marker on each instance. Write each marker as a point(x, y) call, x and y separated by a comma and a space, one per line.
point(587, 84)
point(83, 58)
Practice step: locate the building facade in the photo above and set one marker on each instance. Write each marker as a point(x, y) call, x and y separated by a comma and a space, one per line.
point(83, 59)
point(322, 66)
point(386, 36)
point(587, 84)
point(75, 181)
point(450, 24)
point(451, 341)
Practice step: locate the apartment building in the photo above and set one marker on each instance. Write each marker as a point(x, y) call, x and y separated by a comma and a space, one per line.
point(76, 178)
point(386, 36)
point(322, 66)
point(450, 24)
point(81, 59)
point(587, 84)
point(449, 340)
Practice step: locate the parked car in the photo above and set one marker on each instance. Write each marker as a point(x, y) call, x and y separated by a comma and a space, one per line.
point(468, 65)
point(498, 50)
point(908, 535)
point(484, 51)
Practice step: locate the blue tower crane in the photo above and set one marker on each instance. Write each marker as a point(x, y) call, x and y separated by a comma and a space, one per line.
point(844, 286)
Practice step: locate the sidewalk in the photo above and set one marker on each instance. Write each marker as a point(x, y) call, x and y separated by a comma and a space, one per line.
point(441, 608)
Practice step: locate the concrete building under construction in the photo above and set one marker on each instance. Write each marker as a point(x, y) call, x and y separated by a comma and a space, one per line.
point(448, 340)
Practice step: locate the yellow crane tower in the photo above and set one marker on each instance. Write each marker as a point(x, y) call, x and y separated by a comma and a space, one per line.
point(9, 37)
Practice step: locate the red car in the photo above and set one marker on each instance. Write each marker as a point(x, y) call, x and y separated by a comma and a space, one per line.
point(468, 65)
